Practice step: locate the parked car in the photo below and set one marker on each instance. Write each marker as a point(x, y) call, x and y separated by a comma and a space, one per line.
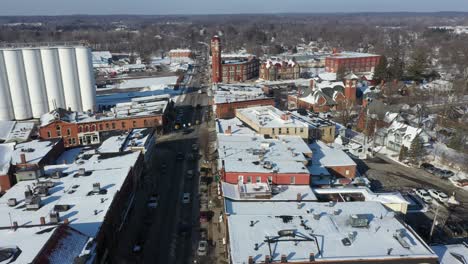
point(444, 174)
point(424, 195)
point(202, 248)
point(426, 166)
point(447, 173)
point(438, 195)
point(186, 198)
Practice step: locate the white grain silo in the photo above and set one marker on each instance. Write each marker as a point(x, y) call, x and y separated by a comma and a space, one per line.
point(71, 84)
point(6, 109)
point(53, 78)
point(18, 85)
point(35, 79)
point(86, 78)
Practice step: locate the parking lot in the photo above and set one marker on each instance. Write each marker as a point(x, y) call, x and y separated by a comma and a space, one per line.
point(386, 175)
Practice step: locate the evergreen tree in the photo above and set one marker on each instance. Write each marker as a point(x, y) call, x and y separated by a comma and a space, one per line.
point(416, 151)
point(419, 63)
point(403, 153)
point(381, 70)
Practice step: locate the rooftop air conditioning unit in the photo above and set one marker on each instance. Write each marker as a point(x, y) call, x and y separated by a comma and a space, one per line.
point(96, 187)
point(34, 204)
point(359, 220)
point(54, 217)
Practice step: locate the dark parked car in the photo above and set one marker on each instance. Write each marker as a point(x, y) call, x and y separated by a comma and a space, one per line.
point(426, 166)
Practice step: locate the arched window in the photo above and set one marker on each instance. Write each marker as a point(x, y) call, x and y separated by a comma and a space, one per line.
point(93, 127)
point(80, 129)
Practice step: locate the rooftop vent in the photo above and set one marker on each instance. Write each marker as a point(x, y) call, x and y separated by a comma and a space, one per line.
point(287, 233)
point(42, 191)
point(96, 187)
point(359, 220)
point(34, 203)
point(400, 237)
point(57, 175)
point(81, 172)
point(317, 216)
point(12, 202)
point(28, 194)
point(62, 207)
point(54, 217)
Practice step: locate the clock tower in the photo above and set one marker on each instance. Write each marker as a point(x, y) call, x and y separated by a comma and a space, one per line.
point(216, 65)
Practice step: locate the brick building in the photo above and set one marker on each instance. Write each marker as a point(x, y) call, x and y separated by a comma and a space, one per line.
point(232, 69)
point(180, 53)
point(273, 70)
point(228, 109)
point(352, 62)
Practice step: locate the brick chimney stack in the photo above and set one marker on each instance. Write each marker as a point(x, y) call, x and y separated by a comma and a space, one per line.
point(299, 197)
point(228, 131)
point(312, 257)
point(312, 83)
point(23, 158)
point(284, 259)
point(251, 261)
point(267, 259)
point(42, 220)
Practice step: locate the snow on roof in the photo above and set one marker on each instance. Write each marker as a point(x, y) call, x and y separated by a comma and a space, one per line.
point(136, 139)
point(408, 133)
point(329, 156)
point(101, 57)
point(329, 231)
point(384, 198)
point(15, 131)
point(313, 121)
point(154, 83)
point(179, 50)
point(350, 54)
point(282, 192)
point(389, 117)
point(34, 150)
point(6, 152)
point(269, 116)
point(246, 153)
point(237, 93)
point(88, 209)
point(327, 84)
point(66, 244)
point(452, 254)
point(327, 76)
point(237, 127)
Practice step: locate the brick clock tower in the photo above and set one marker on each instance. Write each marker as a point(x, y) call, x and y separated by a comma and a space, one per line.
point(216, 66)
point(350, 86)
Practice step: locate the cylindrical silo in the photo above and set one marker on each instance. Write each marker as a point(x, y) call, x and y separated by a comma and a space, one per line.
point(86, 78)
point(18, 85)
point(6, 109)
point(53, 78)
point(71, 84)
point(35, 79)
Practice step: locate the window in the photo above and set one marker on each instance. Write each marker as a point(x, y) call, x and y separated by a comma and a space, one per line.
point(86, 129)
point(107, 126)
point(145, 123)
point(123, 124)
point(134, 124)
point(273, 131)
point(259, 179)
point(73, 141)
point(69, 141)
point(249, 179)
point(292, 180)
point(347, 172)
point(59, 132)
point(301, 130)
point(80, 129)
point(49, 135)
point(287, 130)
point(101, 127)
point(113, 125)
point(93, 127)
point(279, 130)
point(270, 179)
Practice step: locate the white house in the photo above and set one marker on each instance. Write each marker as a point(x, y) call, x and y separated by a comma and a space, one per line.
point(399, 134)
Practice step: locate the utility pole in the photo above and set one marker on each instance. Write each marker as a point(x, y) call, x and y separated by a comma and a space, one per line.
point(434, 221)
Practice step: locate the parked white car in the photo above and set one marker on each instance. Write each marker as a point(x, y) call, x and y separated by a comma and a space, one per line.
point(202, 248)
point(424, 195)
point(438, 195)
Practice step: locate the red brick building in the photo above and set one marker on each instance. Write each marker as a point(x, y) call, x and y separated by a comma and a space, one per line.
point(228, 109)
point(272, 178)
point(352, 61)
point(180, 53)
point(279, 70)
point(88, 130)
point(234, 69)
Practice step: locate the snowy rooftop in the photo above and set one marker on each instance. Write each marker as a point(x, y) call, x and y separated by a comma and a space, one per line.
point(452, 254)
point(280, 193)
point(137, 138)
point(384, 198)
point(6, 152)
point(311, 120)
point(179, 50)
point(351, 54)
point(34, 150)
point(237, 93)
point(329, 156)
point(269, 116)
point(154, 83)
point(250, 153)
point(237, 127)
point(15, 131)
point(87, 211)
point(326, 235)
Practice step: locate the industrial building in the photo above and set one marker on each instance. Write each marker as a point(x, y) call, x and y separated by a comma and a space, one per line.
point(351, 61)
point(37, 79)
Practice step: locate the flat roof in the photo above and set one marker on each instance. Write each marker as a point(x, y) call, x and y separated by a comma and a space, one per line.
point(87, 210)
point(324, 236)
point(281, 192)
point(327, 156)
point(6, 152)
point(451, 254)
point(137, 138)
point(237, 93)
point(249, 153)
point(311, 120)
point(34, 150)
point(15, 131)
point(237, 127)
point(270, 116)
point(351, 54)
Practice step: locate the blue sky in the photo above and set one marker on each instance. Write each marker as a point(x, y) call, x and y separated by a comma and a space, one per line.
point(149, 7)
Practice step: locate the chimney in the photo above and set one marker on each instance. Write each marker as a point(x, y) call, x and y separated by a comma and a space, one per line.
point(312, 83)
point(284, 259)
point(251, 261)
point(42, 220)
point(335, 51)
point(267, 259)
point(23, 158)
point(312, 257)
point(285, 117)
point(299, 197)
point(228, 131)
point(65, 221)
